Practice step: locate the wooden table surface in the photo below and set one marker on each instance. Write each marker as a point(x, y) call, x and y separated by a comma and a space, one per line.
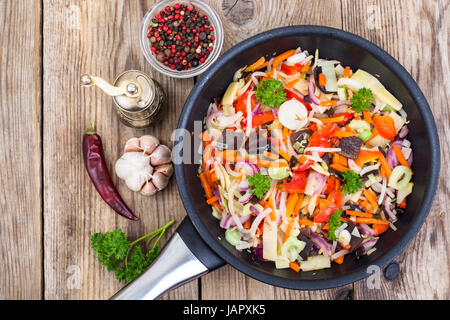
point(50, 208)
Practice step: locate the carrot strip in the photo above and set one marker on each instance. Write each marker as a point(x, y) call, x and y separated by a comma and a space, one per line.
point(346, 72)
point(326, 226)
point(291, 83)
point(339, 167)
point(401, 157)
point(291, 204)
point(371, 197)
point(298, 205)
point(273, 217)
point(322, 79)
point(305, 222)
point(367, 117)
point(328, 103)
point(359, 214)
point(248, 224)
point(384, 164)
point(379, 228)
point(277, 60)
point(343, 134)
point(332, 119)
point(306, 67)
point(294, 266)
point(270, 155)
point(371, 221)
point(289, 228)
point(339, 260)
point(211, 200)
point(255, 66)
point(403, 204)
point(206, 186)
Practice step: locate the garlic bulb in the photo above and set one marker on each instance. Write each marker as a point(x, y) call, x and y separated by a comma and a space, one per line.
point(145, 166)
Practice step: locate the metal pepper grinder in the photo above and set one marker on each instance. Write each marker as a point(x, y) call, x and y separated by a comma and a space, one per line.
point(139, 100)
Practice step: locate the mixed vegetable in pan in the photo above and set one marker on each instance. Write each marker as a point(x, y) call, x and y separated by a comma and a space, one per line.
point(306, 161)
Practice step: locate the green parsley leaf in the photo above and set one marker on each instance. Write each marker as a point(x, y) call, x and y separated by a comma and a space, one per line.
point(117, 254)
point(334, 222)
point(260, 184)
point(271, 93)
point(362, 101)
point(352, 182)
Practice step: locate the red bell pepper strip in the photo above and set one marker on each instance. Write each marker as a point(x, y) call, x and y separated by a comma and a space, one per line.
point(241, 103)
point(263, 118)
point(385, 127)
point(289, 70)
point(298, 183)
point(95, 164)
point(325, 212)
point(292, 95)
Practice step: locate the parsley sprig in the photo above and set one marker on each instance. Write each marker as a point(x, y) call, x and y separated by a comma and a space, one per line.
point(352, 182)
point(271, 93)
point(126, 259)
point(362, 101)
point(260, 184)
point(334, 222)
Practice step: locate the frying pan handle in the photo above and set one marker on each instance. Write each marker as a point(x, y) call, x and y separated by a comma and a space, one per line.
point(184, 258)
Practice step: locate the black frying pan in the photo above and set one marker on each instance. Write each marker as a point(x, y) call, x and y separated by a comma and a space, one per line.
point(198, 245)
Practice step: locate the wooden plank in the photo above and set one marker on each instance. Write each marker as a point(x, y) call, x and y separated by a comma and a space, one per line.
point(20, 173)
point(415, 33)
point(242, 19)
point(101, 38)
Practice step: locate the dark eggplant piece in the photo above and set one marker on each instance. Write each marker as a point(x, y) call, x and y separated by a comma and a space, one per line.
point(350, 147)
point(299, 140)
point(317, 71)
point(336, 173)
point(309, 248)
point(230, 140)
point(293, 162)
point(327, 158)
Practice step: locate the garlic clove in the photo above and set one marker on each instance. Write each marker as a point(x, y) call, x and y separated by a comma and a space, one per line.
point(148, 143)
point(160, 180)
point(133, 145)
point(148, 189)
point(135, 181)
point(161, 155)
point(165, 169)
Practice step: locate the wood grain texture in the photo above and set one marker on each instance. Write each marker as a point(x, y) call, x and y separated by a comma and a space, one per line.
point(20, 172)
point(242, 19)
point(416, 34)
point(101, 38)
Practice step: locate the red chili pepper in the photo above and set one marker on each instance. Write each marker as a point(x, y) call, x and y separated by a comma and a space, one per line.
point(99, 174)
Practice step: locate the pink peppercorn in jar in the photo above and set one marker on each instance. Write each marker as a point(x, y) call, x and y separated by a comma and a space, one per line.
point(181, 38)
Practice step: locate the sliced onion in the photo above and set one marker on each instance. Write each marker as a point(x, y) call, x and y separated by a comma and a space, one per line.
point(391, 158)
point(352, 165)
point(383, 191)
point(225, 223)
point(403, 132)
point(217, 194)
point(311, 90)
point(366, 230)
point(243, 185)
point(257, 221)
point(317, 239)
point(256, 110)
point(368, 169)
point(369, 244)
point(339, 254)
point(315, 183)
point(245, 198)
point(255, 210)
point(387, 208)
point(249, 167)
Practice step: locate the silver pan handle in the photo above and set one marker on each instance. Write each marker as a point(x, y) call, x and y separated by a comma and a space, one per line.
point(176, 265)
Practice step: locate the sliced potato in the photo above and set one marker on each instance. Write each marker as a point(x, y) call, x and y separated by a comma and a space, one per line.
point(379, 91)
point(293, 114)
